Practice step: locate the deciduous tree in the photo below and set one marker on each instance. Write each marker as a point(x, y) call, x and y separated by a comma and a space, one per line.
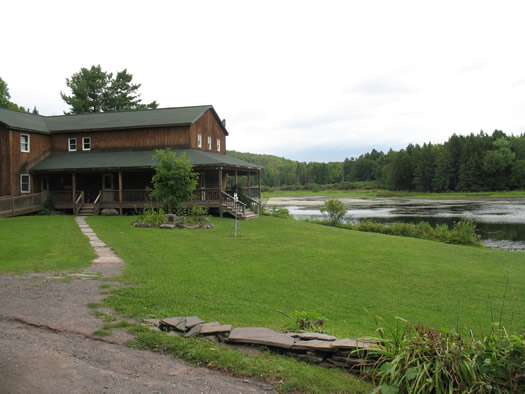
point(174, 181)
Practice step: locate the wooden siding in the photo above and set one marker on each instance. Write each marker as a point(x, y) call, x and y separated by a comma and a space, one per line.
point(5, 163)
point(208, 125)
point(125, 140)
point(20, 162)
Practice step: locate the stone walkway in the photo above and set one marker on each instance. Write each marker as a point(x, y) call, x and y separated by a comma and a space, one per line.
point(107, 262)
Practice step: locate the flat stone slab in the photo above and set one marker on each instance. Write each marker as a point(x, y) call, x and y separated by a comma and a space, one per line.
point(350, 343)
point(171, 321)
point(105, 252)
point(181, 323)
point(314, 344)
point(261, 336)
point(114, 259)
point(208, 329)
point(96, 244)
point(312, 335)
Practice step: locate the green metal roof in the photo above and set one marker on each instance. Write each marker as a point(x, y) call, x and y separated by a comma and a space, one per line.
point(104, 120)
point(133, 159)
point(23, 120)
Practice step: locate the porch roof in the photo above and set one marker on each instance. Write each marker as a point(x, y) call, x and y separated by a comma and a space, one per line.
point(134, 160)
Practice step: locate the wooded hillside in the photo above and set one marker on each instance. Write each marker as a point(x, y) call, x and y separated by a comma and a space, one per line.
point(477, 162)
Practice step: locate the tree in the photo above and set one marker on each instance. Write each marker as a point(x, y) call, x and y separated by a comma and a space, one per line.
point(94, 90)
point(5, 98)
point(335, 209)
point(174, 181)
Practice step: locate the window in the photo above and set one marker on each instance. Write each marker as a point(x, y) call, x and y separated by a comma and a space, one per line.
point(86, 143)
point(209, 142)
point(25, 184)
point(218, 144)
point(24, 142)
point(199, 140)
point(72, 144)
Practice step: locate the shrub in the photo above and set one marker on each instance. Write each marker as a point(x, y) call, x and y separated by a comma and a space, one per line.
point(463, 232)
point(153, 217)
point(49, 206)
point(335, 209)
point(282, 213)
point(423, 359)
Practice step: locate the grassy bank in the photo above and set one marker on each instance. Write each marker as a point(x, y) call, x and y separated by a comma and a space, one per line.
point(298, 266)
point(42, 243)
point(393, 194)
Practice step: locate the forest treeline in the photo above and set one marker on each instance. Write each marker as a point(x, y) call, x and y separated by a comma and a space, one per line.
point(476, 162)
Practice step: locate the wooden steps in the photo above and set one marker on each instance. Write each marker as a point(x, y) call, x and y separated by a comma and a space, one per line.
point(87, 210)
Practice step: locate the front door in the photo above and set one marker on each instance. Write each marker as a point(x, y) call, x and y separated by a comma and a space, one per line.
point(108, 193)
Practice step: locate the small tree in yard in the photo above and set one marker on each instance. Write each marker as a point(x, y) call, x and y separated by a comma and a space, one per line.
point(335, 209)
point(174, 180)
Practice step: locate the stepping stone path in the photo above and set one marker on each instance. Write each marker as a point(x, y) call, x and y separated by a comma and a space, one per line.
point(322, 349)
point(104, 253)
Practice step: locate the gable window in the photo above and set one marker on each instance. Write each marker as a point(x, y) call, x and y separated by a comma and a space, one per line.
point(218, 144)
point(24, 143)
point(86, 143)
point(72, 144)
point(209, 142)
point(25, 184)
point(199, 140)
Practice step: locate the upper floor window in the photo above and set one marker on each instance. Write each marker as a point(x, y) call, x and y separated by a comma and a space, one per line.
point(86, 143)
point(218, 144)
point(72, 144)
point(199, 140)
point(25, 183)
point(209, 142)
point(24, 143)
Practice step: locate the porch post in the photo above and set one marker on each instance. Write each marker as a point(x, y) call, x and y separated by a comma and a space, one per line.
point(220, 192)
point(259, 176)
point(249, 184)
point(236, 177)
point(120, 191)
point(74, 184)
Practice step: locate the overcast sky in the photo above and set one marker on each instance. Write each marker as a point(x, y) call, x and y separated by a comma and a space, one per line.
point(310, 81)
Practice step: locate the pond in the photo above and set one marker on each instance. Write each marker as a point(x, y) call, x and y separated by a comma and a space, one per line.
point(500, 222)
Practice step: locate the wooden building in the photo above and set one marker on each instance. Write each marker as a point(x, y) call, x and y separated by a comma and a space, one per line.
point(104, 160)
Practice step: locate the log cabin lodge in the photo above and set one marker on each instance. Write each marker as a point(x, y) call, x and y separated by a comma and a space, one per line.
point(92, 161)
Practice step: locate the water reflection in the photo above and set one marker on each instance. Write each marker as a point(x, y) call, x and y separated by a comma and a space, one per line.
point(501, 223)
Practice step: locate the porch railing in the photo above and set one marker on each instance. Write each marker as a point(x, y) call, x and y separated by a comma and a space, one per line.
point(12, 206)
point(237, 206)
point(78, 203)
point(252, 203)
point(96, 204)
point(207, 194)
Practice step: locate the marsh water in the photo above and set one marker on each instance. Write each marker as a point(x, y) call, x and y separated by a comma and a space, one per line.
point(500, 222)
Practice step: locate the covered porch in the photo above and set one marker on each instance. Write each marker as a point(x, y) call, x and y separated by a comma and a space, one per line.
point(84, 190)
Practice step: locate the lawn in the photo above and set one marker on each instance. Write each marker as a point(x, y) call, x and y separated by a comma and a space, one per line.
point(297, 266)
point(42, 243)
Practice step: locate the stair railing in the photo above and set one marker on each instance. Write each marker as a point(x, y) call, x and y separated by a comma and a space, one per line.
point(252, 203)
point(78, 203)
point(236, 206)
point(96, 204)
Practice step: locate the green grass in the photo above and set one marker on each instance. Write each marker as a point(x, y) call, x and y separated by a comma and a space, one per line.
point(297, 266)
point(42, 243)
point(394, 194)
